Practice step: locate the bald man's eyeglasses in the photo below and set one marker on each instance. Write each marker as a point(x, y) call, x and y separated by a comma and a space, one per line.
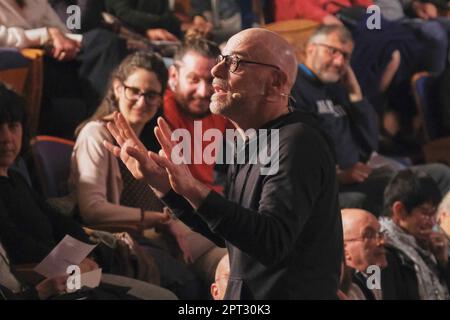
point(232, 62)
point(370, 236)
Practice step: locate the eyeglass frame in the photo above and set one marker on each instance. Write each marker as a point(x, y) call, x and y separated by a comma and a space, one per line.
point(220, 58)
point(344, 54)
point(155, 94)
point(430, 213)
point(380, 235)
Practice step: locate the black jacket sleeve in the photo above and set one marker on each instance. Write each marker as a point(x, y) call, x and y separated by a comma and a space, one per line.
point(24, 248)
point(445, 274)
point(398, 279)
point(287, 200)
point(364, 122)
point(61, 224)
point(21, 247)
point(184, 211)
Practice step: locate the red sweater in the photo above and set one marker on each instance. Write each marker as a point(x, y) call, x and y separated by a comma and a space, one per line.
point(312, 9)
point(177, 119)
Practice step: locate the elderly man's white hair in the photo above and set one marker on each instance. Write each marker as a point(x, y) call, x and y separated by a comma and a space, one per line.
point(323, 32)
point(444, 206)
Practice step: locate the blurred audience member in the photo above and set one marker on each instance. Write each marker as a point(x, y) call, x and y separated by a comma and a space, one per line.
point(155, 19)
point(363, 247)
point(219, 286)
point(327, 87)
point(444, 216)
point(187, 99)
point(419, 267)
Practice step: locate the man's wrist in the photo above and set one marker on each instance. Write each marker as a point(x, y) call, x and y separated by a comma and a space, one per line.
point(162, 192)
point(53, 32)
point(196, 194)
point(355, 97)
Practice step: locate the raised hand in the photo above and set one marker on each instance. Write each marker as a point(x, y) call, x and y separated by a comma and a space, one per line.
point(52, 287)
point(134, 155)
point(64, 49)
point(350, 81)
point(88, 265)
point(425, 11)
point(357, 173)
point(160, 35)
point(156, 219)
point(180, 177)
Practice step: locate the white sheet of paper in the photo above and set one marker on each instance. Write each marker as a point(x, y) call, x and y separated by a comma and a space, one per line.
point(69, 251)
point(377, 161)
point(91, 279)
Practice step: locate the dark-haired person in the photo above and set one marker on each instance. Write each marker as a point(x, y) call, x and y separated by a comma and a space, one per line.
point(186, 106)
point(29, 228)
point(102, 190)
point(187, 99)
point(418, 265)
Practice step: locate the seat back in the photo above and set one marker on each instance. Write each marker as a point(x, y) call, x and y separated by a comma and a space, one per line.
point(52, 159)
point(423, 87)
point(296, 32)
point(23, 71)
point(13, 69)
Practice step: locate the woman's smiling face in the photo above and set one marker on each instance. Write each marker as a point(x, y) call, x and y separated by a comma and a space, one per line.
point(139, 96)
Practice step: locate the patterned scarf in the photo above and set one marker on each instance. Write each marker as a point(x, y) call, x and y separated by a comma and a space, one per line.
point(425, 264)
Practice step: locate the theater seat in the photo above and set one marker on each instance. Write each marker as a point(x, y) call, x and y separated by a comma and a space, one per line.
point(13, 69)
point(52, 158)
point(435, 149)
point(23, 71)
point(296, 32)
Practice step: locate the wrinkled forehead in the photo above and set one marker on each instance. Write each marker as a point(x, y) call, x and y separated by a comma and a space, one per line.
point(357, 221)
point(368, 223)
point(337, 41)
point(264, 46)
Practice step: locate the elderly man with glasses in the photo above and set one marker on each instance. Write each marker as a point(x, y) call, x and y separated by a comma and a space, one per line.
point(363, 248)
point(327, 87)
point(283, 230)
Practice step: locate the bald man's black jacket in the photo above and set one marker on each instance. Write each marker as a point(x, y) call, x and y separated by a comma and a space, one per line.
point(283, 231)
